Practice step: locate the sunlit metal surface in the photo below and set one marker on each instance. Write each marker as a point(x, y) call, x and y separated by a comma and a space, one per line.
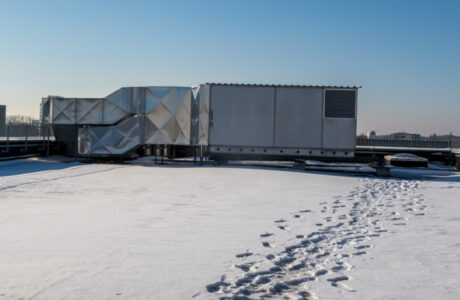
point(200, 120)
point(231, 116)
point(137, 116)
point(168, 115)
point(110, 140)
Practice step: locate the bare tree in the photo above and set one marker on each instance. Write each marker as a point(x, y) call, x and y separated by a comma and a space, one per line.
point(21, 120)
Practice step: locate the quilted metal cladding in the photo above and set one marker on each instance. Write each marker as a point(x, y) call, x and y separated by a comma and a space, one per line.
point(168, 115)
point(122, 103)
point(88, 111)
point(92, 111)
point(162, 114)
point(110, 140)
point(200, 115)
point(62, 111)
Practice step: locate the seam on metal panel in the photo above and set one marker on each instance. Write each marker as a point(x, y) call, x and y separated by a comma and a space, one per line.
point(274, 116)
point(210, 122)
point(323, 97)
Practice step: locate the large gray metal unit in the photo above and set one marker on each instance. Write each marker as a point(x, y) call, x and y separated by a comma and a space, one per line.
point(277, 120)
point(229, 120)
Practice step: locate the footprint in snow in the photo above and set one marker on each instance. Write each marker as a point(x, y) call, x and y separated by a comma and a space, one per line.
point(338, 282)
point(264, 235)
point(321, 255)
point(362, 247)
point(267, 245)
point(337, 268)
point(282, 227)
point(262, 280)
point(244, 254)
point(245, 267)
point(216, 286)
point(321, 272)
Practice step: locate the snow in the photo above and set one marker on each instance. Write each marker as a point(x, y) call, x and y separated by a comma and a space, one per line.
point(136, 231)
point(24, 138)
point(406, 156)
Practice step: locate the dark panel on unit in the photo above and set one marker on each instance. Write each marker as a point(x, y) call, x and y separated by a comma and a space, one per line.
point(67, 135)
point(340, 104)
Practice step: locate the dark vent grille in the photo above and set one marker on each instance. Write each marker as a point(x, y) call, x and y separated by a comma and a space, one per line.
point(340, 104)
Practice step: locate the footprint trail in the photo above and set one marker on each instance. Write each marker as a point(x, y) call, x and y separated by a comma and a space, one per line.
point(302, 261)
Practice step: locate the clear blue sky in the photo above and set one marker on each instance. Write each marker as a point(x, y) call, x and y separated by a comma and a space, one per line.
point(405, 54)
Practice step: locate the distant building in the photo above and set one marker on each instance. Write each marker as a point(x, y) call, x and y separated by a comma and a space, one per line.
point(371, 134)
point(405, 136)
point(2, 120)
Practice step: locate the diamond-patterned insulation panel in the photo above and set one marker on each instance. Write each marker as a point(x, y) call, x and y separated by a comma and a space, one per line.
point(131, 117)
point(137, 116)
point(167, 118)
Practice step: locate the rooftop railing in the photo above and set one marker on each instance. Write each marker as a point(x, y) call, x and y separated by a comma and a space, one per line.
point(23, 138)
point(444, 145)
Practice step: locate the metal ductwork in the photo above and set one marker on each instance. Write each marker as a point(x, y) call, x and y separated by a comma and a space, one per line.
point(125, 120)
point(231, 120)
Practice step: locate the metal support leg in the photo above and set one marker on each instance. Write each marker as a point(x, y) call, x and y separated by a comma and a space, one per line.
point(7, 139)
point(48, 140)
point(42, 132)
point(27, 138)
point(201, 154)
point(194, 155)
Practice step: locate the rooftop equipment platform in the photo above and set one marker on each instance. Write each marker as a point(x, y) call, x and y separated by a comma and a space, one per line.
point(222, 120)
